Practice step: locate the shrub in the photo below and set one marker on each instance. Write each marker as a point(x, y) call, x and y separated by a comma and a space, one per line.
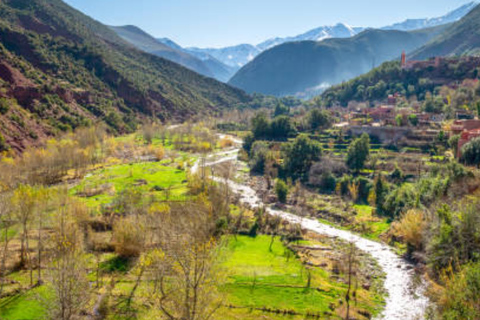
point(400, 200)
point(258, 156)
point(128, 237)
point(4, 105)
point(411, 229)
point(461, 295)
point(3, 144)
point(281, 190)
point(226, 142)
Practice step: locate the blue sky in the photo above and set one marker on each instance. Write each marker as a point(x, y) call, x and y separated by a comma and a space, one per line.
point(217, 23)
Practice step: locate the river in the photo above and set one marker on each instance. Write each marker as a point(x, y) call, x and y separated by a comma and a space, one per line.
point(405, 301)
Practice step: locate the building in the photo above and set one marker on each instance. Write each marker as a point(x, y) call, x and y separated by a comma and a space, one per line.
point(407, 65)
point(381, 114)
point(459, 126)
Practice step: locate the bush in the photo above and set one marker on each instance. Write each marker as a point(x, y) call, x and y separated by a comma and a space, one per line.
point(461, 295)
point(258, 157)
point(128, 237)
point(3, 144)
point(4, 105)
point(400, 200)
point(281, 190)
point(411, 229)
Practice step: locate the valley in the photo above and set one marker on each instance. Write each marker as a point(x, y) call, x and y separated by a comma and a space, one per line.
point(330, 175)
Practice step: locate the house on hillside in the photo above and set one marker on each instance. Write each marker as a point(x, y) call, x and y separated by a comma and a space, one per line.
point(384, 114)
point(459, 126)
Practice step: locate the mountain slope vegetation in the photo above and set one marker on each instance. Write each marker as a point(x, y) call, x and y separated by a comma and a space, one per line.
point(390, 78)
point(307, 67)
point(462, 38)
point(143, 41)
point(60, 69)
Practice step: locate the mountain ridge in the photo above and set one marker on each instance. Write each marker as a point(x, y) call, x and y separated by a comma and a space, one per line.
point(60, 69)
point(239, 55)
point(305, 68)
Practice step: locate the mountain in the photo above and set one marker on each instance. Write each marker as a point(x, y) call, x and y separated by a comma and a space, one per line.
point(60, 69)
point(170, 43)
point(306, 68)
point(340, 30)
point(221, 71)
point(414, 24)
point(238, 56)
point(235, 56)
point(462, 38)
point(147, 43)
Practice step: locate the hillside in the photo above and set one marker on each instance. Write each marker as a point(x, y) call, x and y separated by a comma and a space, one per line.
point(143, 41)
point(390, 78)
point(60, 69)
point(462, 38)
point(307, 67)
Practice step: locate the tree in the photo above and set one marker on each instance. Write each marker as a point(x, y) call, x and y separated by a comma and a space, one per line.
point(186, 275)
point(260, 125)
point(6, 222)
point(281, 128)
point(281, 190)
point(281, 109)
point(299, 157)
point(381, 191)
point(413, 119)
point(258, 157)
point(318, 119)
point(68, 278)
point(351, 260)
point(248, 142)
point(358, 152)
point(25, 204)
point(471, 152)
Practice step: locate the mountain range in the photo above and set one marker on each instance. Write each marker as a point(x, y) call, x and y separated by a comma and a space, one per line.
point(60, 69)
point(239, 55)
point(306, 68)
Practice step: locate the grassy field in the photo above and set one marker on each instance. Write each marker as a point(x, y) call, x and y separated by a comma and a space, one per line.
point(369, 225)
point(277, 280)
point(153, 178)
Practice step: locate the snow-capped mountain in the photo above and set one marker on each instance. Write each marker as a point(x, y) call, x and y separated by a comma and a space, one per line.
point(339, 30)
point(453, 16)
point(235, 56)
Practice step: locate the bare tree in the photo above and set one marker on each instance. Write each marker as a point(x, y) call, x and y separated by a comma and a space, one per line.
point(25, 206)
point(184, 265)
point(5, 224)
point(351, 270)
point(68, 278)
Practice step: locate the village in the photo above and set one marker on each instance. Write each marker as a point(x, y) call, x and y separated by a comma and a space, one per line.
point(402, 122)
